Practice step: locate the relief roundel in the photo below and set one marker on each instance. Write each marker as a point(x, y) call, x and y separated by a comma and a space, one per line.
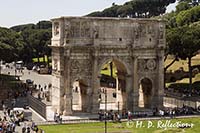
point(151, 64)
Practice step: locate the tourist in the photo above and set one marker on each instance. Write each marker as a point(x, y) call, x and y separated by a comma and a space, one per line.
point(39, 86)
point(129, 115)
point(23, 129)
point(35, 86)
point(118, 117)
point(45, 86)
point(28, 130)
point(173, 113)
point(2, 103)
point(39, 95)
point(60, 118)
point(161, 112)
point(100, 115)
point(32, 125)
point(49, 86)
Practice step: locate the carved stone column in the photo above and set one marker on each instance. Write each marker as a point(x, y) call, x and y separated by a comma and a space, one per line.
point(67, 85)
point(119, 97)
point(96, 85)
point(67, 104)
point(57, 81)
point(88, 104)
point(135, 84)
point(129, 92)
point(160, 82)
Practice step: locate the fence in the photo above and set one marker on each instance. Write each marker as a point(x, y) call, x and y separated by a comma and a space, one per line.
point(37, 105)
point(179, 102)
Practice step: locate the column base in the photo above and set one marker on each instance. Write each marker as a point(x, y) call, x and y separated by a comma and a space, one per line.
point(95, 109)
point(67, 112)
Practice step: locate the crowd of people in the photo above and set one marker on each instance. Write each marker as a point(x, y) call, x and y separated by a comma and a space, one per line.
point(166, 112)
point(12, 118)
point(115, 116)
point(183, 92)
point(185, 110)
point(43, 92)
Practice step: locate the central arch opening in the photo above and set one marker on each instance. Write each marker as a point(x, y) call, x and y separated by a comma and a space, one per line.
point(113, 84)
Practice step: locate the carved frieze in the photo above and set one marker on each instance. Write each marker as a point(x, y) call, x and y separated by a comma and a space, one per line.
point(67, 31)
point(161, 31)
point(80, 69)
point(136, 31)
point(95, 32)
point(55, 65)
point(85, 29)
point(151, 31)
point(56, 29)
point(75, 29)
point(146, 65)
point(142, 29)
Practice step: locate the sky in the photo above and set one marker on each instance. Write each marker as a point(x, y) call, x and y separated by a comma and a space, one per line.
point(16, 12)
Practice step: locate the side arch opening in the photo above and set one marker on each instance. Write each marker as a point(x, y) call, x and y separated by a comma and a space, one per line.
point(145, 93)
point(79, 95)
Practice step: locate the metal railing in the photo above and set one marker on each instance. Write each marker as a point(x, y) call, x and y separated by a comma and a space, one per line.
point(179, 102)
point(37, 105)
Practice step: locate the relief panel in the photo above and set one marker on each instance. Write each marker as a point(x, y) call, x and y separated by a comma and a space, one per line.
point(80, 69)
point(145, 65)
point(56, 29)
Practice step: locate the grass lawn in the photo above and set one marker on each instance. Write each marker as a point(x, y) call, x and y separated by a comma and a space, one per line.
point(106, 70)
point(124, 127)
point(182, 63)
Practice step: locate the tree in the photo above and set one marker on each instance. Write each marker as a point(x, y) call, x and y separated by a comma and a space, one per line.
point(173, 39)
point(191, 2)
point(190, 41)
point(135, 8)
point(189, 16)
point(11, 45)
point(40, 25)
point(183, 43)
point(20, 28)
point(43, 25)
point(110, 12)
point(37, 40)
point(182, 6)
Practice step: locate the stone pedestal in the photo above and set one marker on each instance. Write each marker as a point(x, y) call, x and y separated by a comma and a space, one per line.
point(96, 103)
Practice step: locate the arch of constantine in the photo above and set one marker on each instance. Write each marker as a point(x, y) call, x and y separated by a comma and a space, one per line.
point(83, 46)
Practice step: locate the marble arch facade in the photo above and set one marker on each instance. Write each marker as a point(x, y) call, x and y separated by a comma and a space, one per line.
point(81, 45)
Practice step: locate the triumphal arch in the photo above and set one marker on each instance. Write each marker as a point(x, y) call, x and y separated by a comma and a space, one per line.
point(81, 48)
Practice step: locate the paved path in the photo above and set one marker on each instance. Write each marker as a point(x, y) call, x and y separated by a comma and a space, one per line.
point(42, 79)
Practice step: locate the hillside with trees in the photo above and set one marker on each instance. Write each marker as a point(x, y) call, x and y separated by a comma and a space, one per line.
point(24, 42)
point(135, 8)
point(183, 33)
